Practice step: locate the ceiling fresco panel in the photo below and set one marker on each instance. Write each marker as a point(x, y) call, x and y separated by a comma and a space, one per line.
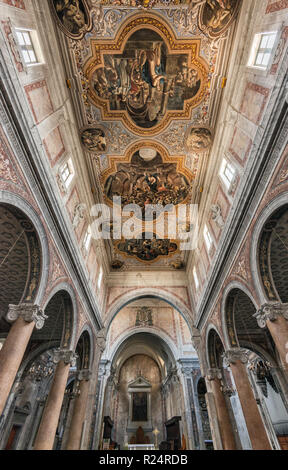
point(148, 76)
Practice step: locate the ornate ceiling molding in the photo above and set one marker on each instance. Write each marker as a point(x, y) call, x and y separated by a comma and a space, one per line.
point(188, 47)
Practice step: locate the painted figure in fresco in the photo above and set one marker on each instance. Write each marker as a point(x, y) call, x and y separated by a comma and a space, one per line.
point(147, 249)
point(139, 409)
point(199, 139)
point(94, 140)
point(221, 10)
point(144, 80)
point(216, 15)
point(71, 15)
point(143, 183)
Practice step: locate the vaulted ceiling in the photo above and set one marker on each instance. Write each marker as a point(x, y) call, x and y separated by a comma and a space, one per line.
point(149, 76)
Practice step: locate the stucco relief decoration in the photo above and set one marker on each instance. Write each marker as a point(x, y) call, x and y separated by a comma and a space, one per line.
point(78, 214)
point(72, 17)
point(144, 317)
point(7, 27)
point(144, 78)
point(216, 214)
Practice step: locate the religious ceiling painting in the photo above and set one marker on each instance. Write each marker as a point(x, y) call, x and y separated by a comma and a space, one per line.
point(72, 17)
point(216, 16)
point(148, 248)
point(147, 178)
point(147, 81)
point(146, 77)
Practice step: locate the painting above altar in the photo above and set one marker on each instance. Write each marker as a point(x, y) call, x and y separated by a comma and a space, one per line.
point(139, 407)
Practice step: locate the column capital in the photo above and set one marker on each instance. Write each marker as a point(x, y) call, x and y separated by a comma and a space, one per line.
point(236, 354)
point(271, 311)
point(28, 312)
point(101, 339)
point(68, 357)
point(84, 375)
point(213, 374)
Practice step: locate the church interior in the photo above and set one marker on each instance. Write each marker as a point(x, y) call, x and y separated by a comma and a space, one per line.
point(119, 342)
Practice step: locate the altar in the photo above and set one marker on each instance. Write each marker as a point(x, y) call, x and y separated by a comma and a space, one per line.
point(141, 447)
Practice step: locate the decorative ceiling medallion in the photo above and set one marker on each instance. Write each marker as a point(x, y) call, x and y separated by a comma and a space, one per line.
point(147, 249)
point(198, 139)
point(72, 17)
point(94, 139)
point(146, 77)
point(216, 16)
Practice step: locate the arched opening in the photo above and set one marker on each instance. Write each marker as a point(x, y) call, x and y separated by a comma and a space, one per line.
point(273, 256)
point(263, 370)
point(27, 399)
point(20, 262)
point(149, 352)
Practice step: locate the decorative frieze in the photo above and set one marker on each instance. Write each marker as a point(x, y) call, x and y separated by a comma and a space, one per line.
point(28, 312)
point(236, 354)
point(271, 311)
point(65, 355)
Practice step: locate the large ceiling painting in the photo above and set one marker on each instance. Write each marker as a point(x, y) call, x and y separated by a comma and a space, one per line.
point(147, 179)
point(146, 77)
point(148, 248)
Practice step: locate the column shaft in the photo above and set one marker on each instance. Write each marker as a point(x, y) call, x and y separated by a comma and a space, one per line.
point(74, 440)
point(254, 422)
point(279, 333)
point(226, 430)
point(11, 356)
point(49, 422)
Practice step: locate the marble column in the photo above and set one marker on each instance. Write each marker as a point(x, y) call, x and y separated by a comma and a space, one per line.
point(237, 359)
point(226, 430)
point(74, 440)
point(49, 422)
point(24, 318)
point(275, 317)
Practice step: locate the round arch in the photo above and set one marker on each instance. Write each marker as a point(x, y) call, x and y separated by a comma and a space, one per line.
point(89, 349)
point(228, 289)
point(267, 212)
point(14, 200)
point(212, 330)
point(161, 294)
point(128, 334)
point(70, 323)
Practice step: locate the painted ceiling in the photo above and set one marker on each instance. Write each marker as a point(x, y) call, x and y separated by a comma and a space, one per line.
point(149, 77)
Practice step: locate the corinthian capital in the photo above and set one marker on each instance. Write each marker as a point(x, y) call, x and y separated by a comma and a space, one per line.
point(68, 357)
point(28, 312)
point(236, 354)
point(213, 374)
point(271, 311)
point(84, 374)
